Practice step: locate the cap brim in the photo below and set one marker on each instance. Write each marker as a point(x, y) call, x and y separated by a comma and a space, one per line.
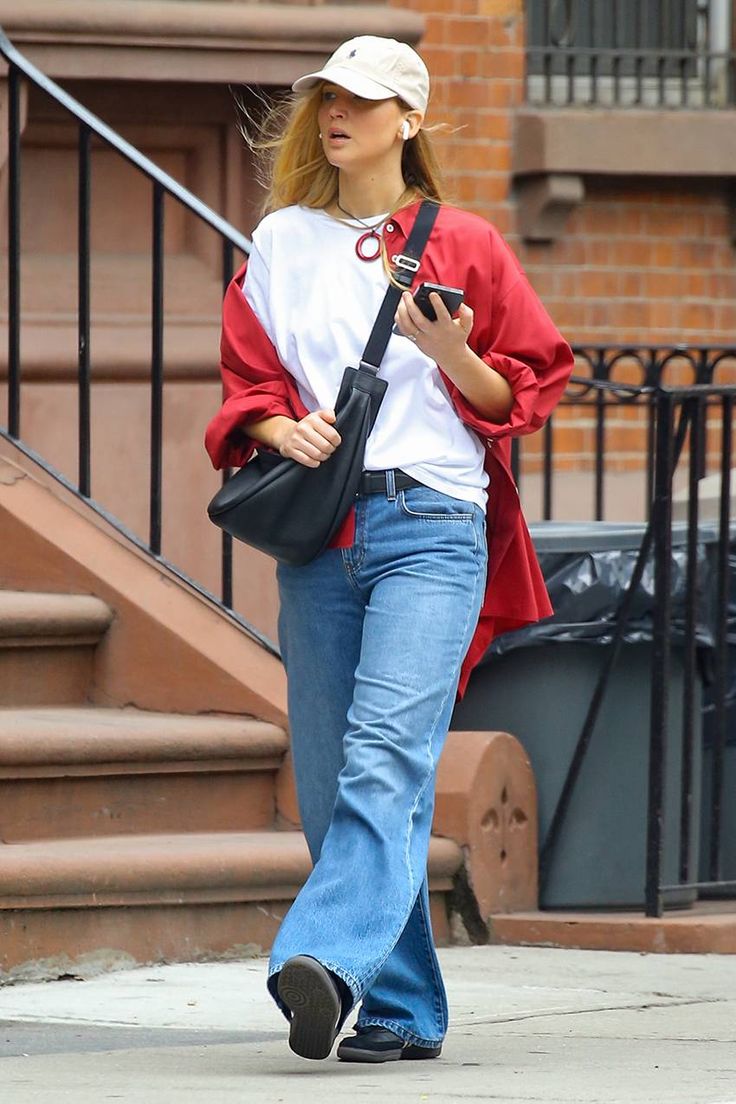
point(346, 78)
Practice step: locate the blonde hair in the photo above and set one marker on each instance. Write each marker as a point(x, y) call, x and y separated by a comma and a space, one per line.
point(290, 162)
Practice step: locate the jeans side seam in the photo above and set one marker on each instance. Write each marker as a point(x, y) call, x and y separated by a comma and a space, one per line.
point(439, 984)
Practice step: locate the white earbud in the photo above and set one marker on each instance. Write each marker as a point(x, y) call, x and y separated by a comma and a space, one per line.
point(405, 129)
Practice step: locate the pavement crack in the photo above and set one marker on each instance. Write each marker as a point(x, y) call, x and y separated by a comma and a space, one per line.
point(549, 1012)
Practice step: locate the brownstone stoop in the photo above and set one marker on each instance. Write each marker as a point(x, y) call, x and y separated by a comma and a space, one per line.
point(147, 806)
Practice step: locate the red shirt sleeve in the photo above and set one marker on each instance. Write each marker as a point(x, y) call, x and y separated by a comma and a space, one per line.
point(518, 339)
point(254, 382)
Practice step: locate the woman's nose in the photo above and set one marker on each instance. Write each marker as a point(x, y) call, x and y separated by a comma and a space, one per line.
point(337, 107)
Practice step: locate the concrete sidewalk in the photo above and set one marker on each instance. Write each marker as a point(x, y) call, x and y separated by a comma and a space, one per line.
point(527, 1025)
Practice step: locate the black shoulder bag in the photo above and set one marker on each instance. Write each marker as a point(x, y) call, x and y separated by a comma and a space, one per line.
point(291, 511)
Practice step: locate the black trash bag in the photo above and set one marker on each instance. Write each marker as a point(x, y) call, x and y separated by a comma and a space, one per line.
point(587, 585)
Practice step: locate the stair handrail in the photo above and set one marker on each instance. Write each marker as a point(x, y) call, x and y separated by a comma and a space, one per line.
point(128, 151)
point(163, 184)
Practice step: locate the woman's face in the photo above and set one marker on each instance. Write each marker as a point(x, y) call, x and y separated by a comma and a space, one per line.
point(357, 132)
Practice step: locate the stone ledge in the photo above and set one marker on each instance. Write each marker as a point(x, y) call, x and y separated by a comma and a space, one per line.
point(184, 40)
point(51, 618)
point(170, 868)
point(555, 150)
point(708, 928)
point(626, 143)
point(93, 739)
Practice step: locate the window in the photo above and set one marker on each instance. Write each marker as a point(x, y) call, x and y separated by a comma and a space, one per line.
point(648, 53)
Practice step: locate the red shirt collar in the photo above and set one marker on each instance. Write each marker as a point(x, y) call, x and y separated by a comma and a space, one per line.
point(404, 218)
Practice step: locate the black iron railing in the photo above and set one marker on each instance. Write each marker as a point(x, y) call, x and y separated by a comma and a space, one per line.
point(163, 187)
point(610, 379)
point(680, 415)
point(630, 53)
point(681, 418)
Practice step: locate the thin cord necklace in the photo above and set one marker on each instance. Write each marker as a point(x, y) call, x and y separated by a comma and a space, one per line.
point(371, 232)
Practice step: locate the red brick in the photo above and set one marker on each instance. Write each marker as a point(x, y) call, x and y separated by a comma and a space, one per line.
point(663, 285)
point(662, 254)
point(435, 32)
point(662, 317)
point(599, 284)
point(596, 251)
point(440, 62)
point(600, 219)
point(696, 254)
point(630, 284)
point(626, 251)
point(697, 317)
point(717, 224)
point(467, 31)
point(490, 125)
point(505, 64)
point(467, 63)
point(471, 93)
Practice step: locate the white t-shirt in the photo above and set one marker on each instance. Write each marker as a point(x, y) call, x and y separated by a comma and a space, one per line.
point(317, 302)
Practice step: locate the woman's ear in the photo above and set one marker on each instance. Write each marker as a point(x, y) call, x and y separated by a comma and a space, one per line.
point(411, 124)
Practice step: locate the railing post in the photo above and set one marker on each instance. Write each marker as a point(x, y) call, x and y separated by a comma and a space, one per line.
point(600, 444)
point(721, 664)
point(228, 265)
point(662, 522)
point(83, 320)
point(694, 410)
point(548, 449)
point(157, 366)
point(14, 91)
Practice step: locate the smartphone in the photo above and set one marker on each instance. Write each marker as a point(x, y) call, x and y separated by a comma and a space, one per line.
point(451, 297)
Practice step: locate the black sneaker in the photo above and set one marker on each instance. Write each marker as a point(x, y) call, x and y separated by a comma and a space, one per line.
point(378, 1044)
point(313, 998)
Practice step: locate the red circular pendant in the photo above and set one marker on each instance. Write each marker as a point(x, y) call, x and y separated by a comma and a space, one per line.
point(361, 242)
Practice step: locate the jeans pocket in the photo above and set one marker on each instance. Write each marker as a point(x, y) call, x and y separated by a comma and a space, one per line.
point(423, 502)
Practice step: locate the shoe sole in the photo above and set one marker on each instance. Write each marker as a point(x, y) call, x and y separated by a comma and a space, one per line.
point(410, 1053)
point(309, 993)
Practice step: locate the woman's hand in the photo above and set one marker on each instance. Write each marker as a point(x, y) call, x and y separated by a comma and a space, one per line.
point(446, 342)
point(311, 440)
point(443, 340)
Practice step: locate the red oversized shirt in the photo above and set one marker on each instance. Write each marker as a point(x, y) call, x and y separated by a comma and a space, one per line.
point(512, 332)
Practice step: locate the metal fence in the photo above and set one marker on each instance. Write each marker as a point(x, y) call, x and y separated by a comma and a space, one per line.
point(163, 187)
point(630, 53)
point(680, 420)
point(609, 380)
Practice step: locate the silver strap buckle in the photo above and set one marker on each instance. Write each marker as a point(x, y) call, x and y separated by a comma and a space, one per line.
point(402, 261)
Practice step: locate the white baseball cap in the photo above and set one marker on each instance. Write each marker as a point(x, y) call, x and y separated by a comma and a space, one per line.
point(375, 68)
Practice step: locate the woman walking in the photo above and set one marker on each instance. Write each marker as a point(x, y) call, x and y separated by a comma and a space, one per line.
point(379, 633)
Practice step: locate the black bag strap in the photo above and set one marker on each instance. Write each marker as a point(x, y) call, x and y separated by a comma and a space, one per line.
point(407, 264)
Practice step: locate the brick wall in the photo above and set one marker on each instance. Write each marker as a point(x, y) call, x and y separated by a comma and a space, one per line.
point(642, 261)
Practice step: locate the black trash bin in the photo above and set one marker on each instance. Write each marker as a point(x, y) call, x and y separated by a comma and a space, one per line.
point(537, 683)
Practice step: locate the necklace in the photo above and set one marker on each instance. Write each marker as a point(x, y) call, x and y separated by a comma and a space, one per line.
point(371, 232)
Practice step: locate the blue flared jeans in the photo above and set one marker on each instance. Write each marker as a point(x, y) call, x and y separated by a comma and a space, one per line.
point(373, 637)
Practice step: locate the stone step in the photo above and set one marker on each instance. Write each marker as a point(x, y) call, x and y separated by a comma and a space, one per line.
point(177, 897)
point(47, 644)
point(77, 771)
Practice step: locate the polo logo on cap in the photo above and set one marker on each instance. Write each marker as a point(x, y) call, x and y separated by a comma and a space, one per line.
point(352, 53)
